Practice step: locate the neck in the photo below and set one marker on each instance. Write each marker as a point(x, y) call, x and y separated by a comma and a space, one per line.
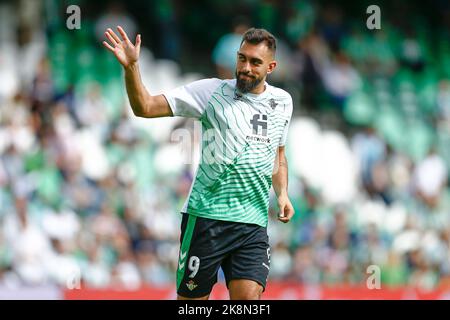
point(259, 88)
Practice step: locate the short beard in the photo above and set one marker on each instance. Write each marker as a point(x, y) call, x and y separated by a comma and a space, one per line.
point(246, 85)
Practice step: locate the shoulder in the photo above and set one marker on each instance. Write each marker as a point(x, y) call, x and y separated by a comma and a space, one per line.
point(280, 94)
point(227, 86)
point(230, 83)
point(282, 97)
point(206, 84)
point(203, 88)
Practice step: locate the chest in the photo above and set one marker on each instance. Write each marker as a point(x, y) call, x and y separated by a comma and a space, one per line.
point(244, 118)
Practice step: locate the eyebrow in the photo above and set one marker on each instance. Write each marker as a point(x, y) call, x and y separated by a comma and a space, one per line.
point(253, 59)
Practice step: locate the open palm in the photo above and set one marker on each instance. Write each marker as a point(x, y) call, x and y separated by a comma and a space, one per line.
point(124, 50)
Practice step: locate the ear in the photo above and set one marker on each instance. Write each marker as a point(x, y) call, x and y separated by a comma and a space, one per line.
point(271, 67)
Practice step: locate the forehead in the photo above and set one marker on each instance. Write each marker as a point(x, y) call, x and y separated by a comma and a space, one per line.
point(259, 51)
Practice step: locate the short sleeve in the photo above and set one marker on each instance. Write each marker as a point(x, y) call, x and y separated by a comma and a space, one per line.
point(289, 109)
point(191, 100)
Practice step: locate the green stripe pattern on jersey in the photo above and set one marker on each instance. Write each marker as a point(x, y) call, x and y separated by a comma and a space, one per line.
point(185, 246)
point(235, 173)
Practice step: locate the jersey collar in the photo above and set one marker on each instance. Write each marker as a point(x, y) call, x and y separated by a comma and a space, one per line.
point(254, 96)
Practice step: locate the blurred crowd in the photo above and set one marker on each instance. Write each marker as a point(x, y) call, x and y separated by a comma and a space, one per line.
point(90, 195)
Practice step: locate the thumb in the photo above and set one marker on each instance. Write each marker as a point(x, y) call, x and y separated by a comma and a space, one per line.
point(281, 213)
point(138, 43)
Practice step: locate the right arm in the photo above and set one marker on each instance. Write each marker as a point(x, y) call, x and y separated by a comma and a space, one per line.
point(142, 103)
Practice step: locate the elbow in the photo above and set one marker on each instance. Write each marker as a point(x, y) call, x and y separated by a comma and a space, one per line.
point(138, 113)
point(145, 108)
point(139, 110)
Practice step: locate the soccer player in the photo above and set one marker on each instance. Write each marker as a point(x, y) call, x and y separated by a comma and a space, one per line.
point(225, 215)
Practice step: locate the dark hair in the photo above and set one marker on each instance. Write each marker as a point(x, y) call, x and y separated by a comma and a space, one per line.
point(256, 36)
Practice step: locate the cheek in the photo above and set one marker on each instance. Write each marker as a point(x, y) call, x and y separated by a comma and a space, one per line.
point(241, 64)
point(261, 71)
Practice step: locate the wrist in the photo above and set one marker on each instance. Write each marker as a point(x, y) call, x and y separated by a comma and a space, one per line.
point(133, 66)
point(282, 194)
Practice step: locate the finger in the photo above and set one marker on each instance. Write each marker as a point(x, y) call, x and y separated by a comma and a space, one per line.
point(114, 35)
point(281, 215)
point(108, 46)
point(282, 207)
point(138, 42)
point(111, 39)
point(123, 34)
point(284, 219)
point(289, 212)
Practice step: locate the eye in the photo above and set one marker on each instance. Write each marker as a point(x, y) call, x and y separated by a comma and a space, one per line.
point(256, 62)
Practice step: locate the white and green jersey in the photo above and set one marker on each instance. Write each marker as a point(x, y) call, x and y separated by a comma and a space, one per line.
point(241, 134)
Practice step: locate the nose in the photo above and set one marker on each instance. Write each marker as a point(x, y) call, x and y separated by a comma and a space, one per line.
point(245, 67)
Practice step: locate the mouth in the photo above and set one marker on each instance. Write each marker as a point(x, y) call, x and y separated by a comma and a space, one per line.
point(246, 76)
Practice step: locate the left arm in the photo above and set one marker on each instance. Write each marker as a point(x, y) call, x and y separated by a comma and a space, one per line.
point(280, 185)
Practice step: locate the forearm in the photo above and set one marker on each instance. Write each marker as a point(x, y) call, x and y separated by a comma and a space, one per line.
point(280, 178)
point(137, 94)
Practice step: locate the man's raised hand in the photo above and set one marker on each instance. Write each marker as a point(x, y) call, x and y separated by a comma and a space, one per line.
point(124, 50)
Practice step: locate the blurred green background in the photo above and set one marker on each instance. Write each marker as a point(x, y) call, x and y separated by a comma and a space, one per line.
point(88, 190)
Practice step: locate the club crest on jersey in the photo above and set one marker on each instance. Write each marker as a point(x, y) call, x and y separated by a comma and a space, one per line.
point(273, 104)
point(191, 285)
